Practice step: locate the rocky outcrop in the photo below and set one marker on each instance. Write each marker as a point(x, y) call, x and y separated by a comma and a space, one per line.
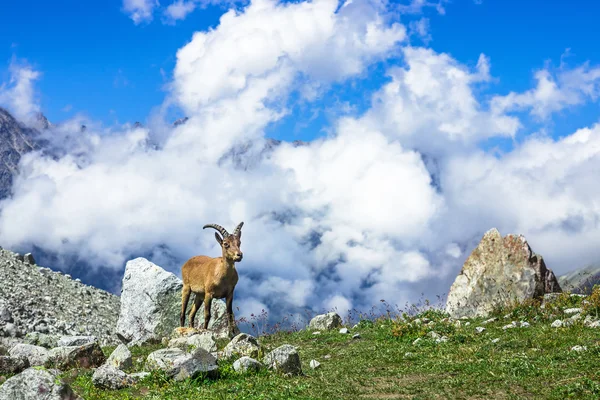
point(499, 270)
point(47, 304)
point(15, 140)
point(150, 302)
point(581, 281)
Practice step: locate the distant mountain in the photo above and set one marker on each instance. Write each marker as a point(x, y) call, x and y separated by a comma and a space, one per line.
point(581, 280)
point(16, 139)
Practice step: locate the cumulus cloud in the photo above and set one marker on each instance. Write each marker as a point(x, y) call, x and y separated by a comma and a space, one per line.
point(18, 94)
point(554, 92)
point(179, 10)
point(140, 10)
point(386, 206)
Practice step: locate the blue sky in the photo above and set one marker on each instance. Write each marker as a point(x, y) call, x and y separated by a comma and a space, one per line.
point(95, 60)
point(390, 200)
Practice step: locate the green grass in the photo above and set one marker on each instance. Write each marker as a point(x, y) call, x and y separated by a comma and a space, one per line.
point(527, 363)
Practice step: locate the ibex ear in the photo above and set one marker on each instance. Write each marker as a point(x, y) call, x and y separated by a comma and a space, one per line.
point(219, 240)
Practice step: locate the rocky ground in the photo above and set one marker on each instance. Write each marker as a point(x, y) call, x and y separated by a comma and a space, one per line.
point(34, 299)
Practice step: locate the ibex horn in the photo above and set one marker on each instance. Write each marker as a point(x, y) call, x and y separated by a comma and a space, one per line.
point(219, 228)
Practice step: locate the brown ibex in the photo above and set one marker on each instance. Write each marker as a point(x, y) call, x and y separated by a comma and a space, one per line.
point(212, 278)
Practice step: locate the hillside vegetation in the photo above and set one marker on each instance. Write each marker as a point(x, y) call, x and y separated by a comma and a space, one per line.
point(521, 353)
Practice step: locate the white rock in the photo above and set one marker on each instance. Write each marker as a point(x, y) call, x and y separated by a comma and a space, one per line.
point(344, 331)
point(247, 364)
point(314, 364)
point(495, 340)
point(578, 348)
point(285, 359)
point(480, 329)
point(570, 311)
point(557, 324)
point(325, 322)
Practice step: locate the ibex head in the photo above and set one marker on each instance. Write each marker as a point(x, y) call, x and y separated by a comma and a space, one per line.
point(230, 243)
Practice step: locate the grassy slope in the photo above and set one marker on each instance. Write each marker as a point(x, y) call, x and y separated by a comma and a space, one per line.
point(534, 362)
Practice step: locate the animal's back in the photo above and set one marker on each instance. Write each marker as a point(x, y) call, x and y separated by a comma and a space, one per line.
point(193, 267)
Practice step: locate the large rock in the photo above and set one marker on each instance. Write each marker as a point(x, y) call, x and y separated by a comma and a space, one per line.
point(36, 384)
point(284, 359)
point(36, 355)
point(120, 358)
point(150, 302)
point(86, 356)
point(242, 345)
point(325, 322)
point(181, 365)
point(499, 271)
point(112, 378)
point(13, 365)
point(203, 340)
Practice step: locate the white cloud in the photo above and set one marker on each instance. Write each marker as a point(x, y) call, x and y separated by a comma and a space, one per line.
point(18, 95)
point(553, 93)
point(140, 10)
point(179, 10)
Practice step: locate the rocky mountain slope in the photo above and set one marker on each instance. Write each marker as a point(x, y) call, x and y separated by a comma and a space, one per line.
point(36, 299)
point(15, 140)
point(581, 280)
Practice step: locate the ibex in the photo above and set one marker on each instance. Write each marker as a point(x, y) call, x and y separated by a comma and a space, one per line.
point(212, 278)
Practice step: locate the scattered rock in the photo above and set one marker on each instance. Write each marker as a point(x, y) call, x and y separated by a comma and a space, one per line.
point(28, 259)
point(314, 364)
point(408, 354)
point(120, 358)
point(356, 336)
point(433, 335)
point(499, 268)
point(578, 348)
point(13, 365)
point(181, 365)
point(36, 355)
point(246, 364)
point(344, 331)
point(31, 383)
point(41, 339)
point(442, 339)
point(86, 356)
point(495, 340)
point(6, 315)
point(111, 378)
point(316, 333)
point(67, 341)
point(204, 340)
point(570, 311)
point(480, 329)
point(325, 322)
point(327, 356)
point(557, 324)
point(489, 321)
point(510, 326)
point(242, 345)
point(417, 341)
point(285, 359)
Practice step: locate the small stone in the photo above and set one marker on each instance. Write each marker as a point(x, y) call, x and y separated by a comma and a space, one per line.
point(578, 348)
point(489, 321)
point(417, 341)
point(316, 333)
point(327, 356)
point(120, 358)
point(467, 323)
point(408, 354)
point(525, 324)
point(6, 315)
point(344, 331)
point(356, 336)
point(433, 335)
point(557, 324)
point(110, 377)
point(570, 311)
point(480, 329)
point(495, 340)
point(442, 339)
point(510, 326)
point(314, 364)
